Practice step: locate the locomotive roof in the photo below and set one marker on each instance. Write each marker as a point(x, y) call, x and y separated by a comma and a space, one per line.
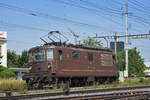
point(59, 44)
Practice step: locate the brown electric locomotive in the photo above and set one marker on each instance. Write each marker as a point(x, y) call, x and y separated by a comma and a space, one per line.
point(58, 62)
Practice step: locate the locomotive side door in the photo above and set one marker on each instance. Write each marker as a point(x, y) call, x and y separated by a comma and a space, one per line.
point(90, 60)
point(59, 60)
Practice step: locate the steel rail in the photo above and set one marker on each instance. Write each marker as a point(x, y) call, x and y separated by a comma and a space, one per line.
point(141, 95)
point(78, 94)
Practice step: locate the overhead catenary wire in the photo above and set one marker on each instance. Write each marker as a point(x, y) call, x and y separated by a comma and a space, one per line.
point(139, 8)
point(94, 5)
point(133, 4)
point(134, 17)
point(139, 4)
point(94, 11)
point(105, 10)
point(48, 16)
point(110, 10)
point(23, 26)
point(140, 19)
point(22, 42)
point(34, 13)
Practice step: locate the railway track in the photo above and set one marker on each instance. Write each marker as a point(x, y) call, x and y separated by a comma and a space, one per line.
point(141, 93)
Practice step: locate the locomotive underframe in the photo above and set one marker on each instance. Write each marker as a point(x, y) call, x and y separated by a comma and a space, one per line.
point(39, 80)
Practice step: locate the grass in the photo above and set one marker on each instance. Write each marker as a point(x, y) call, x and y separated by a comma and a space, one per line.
point(20, 86)
point(12, 85)
point(128, 83)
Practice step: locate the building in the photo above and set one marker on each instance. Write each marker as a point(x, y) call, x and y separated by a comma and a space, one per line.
point(120, 46)
point(3, 48)
point(147, 70)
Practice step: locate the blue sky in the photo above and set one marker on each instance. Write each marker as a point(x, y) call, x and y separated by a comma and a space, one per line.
point(85, 17)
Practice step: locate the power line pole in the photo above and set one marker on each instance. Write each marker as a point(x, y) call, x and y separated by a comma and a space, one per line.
point(115, 42)
point(126, 42)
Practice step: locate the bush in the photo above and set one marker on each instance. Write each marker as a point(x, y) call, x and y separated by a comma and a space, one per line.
point(6, 73)
point(146, 81)
point(12, 85)
point(2, 68)
point(13, 66)
point(141, 80)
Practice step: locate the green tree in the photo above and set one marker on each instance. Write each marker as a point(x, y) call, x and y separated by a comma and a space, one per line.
point(92, 42)
point(0, 59)
point(24, 58)
point(6, 73)
point(12, 59)
point(15, 60)
point(136, 63)
point(121, 60)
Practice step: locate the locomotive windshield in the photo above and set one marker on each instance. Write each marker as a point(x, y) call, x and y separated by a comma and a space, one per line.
point(37, 55)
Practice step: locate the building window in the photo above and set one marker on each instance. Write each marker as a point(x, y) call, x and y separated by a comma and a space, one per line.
point(75, 55)
point(90, 56)
point(60, 54)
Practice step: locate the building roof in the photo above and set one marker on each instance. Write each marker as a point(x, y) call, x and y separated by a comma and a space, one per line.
point(19, 69)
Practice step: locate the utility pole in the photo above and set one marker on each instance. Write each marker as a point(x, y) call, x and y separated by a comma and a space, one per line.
point(115, 43)
point(126, 43)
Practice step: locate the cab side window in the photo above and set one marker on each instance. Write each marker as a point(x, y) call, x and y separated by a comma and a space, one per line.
point(75, 55)
point(90, 56)
point(60, 54)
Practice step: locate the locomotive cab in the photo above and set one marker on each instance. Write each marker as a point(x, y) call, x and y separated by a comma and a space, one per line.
point(40, 64)
point(40, 60)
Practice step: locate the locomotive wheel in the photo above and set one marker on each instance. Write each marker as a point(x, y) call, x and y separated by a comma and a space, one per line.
point(29, 84)
point(37, 85)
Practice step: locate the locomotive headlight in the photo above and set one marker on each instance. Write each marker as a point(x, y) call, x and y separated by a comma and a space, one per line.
point(30, 68)
point(49, 66)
